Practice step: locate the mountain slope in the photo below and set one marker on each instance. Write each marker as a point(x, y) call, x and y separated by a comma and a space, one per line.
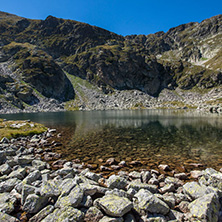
point(42, 60)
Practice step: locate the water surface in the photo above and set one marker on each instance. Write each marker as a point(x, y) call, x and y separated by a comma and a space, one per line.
point(151, 136)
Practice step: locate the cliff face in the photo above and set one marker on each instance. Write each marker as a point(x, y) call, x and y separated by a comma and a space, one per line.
point(37, 56)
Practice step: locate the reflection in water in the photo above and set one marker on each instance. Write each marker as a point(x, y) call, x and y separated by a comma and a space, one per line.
point(154, 136)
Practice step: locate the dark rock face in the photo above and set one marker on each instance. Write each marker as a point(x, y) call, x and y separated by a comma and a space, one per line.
point(40, 52)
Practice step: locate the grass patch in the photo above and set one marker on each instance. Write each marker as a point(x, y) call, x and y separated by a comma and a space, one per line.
point(214, 101)
point(13, 129)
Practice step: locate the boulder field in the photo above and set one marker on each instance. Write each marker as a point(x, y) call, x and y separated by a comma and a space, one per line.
point(31, 190)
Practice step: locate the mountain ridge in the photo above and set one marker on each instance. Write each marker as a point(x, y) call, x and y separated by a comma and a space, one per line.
point(40, 60)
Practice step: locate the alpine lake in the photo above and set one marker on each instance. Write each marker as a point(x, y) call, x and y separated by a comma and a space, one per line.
point(182, 139)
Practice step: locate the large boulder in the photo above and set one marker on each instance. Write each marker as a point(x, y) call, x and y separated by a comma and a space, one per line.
point(34, 203)
point(116, 182)
point(194, 190)
point(7, 218)
point(49, 189)
point(42, 214)
point(7, 202)
point(205, 208)
point(145, 201)
point(74, 198)
point(114, 205)
point(212, 177)
point(138, 185)
point(64, 214)
point(8, 185)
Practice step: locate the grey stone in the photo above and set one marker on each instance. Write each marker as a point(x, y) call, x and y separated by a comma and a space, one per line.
point(42, 214)
point(154, 218)
point(33, 176)
point(7, 218)
point(49, 189)
point(19, 173)
point(89, 189)
point(66, 186)
point(110, 219)
point(2, 157)
point(64, 214)
point(135, 175)
point(164, 167)
point(137, 186)
point(74, 198)
point(11, 162)
point(145, 201)
point(8, 185)
point(167, 188)
point(7, 202)
point(26, 190)
point(5, 169)
point(65, 171)
point(175, 215)
point(145, 176)
point(213, 178)
point(93, 214)
point(34, 203)
point(87, 201)
point(38, 164)
point(179, 197)
point(119, 193)
point(10, 152)
point(131, 192)
point(116, 182)
point(153, 181)
point(194, 190)
point(93, 176)
point(25, 159)
point(17, 195)
point(5, 140)
point(181, 176)
point(205, 208)
point(168, 199)
point(183, 206)
point(174, 181)
point(113, 205)
point(196, 174)
point(46, 177)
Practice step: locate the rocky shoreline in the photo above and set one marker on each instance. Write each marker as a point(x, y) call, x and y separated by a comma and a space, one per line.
point(33, 190)
point(94, 99)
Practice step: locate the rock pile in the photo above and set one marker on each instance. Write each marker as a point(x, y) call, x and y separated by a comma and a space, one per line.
point(31, 191)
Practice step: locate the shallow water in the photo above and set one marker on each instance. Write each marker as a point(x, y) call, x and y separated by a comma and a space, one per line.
point(177, 138)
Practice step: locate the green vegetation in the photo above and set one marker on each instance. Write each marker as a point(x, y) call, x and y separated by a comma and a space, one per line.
point(214, 102)
point(177, 104)
point(215, 63)
point(13, 129)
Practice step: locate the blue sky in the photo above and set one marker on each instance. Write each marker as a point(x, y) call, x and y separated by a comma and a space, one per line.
point(119, 16)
